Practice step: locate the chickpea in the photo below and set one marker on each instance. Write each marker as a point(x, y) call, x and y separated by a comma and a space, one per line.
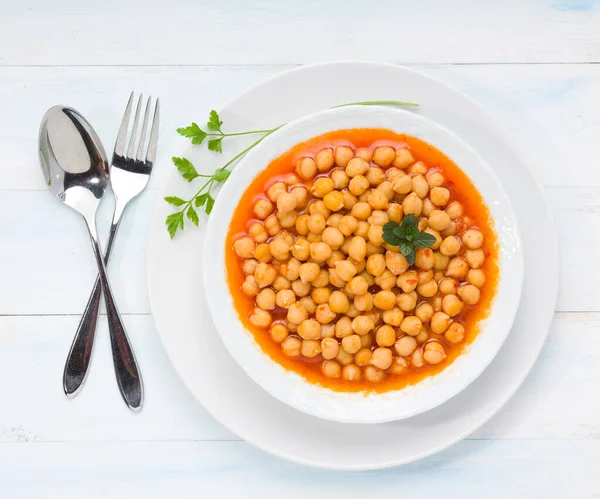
point(450, 246)
point(439, 196)
point(290, 269)
point(384, 300)
point(262, 253)
point(427, 290)
point(455, 333)
point(438, 220)
point(343, 154)
point(301, 252)
point(448, 286)
point(258, 232)
point(434, 352)
point(357, 248)
point(411, 325)
point(386, 188)
point(338, 302)
point(309, 304)
point(306, 168)
point(386, 280)
point(275, 190)
point(454, 210)
point(475, 258)
point(418, 168)
point(310, 348)
point(320, 251)
point(301, 194)
point(472, 239)
point(375, 176)
point(403, 158)
point(331, 369)
point(333, 237)
point(451, 305)
point(424, 312)
point(351, 343)
point(301, 288)
point(396, 262)
point(378, 217)
point(364, 302)
point(260, 318)
point(318, 207)
point(340, 180)
point(376, 265)
point(301, 224)
point(385, 336)
point(334, 220)
point(343, 327)
point(244, 247)
point(457, 267)
point(381, 358)
point(349, 199)
point(362, 230)
point(373, 374)
point(424, 259)
point(378, 200)
point(266, 299)
point(405, 346)
point(417, 358)
point(393, 317)
point(351, 373)
point(422, 337)
point(362, 324)
point(329, 348)
point(383, 156)
point(476, 277)
point(272, 225)
point(428, 208)
point(321, 295)
point(470, 294)
point(435, 179)
point(402, 184)
point(334, 200)
point(264, 274)
point(398, 366)
point(395, 212)
point(357, 166)
point(336, 256)
point(309, 329)
point(279, 332)
point(437, 303)
point(308, 271)
point(425, 276)
point(249, 266)
point(419, 186)
point(408, 281)
point(287, 220)
point(263, 208)
point(440, 261)
point(344, 358)
point(439, 322)
point(412, 204)
point(347, 225)
point(296, 313)
point(279, 248)
point(284, 298)
point(363, 357)
point(249, 286)
point(358, 185)
point(286, 202)
point(316, 223)
point(361, 211)
point(325, 159)
point(335, 279)
point(450, 231)
point(322, 186)
point(327, 330)
point(346, 270)
point(324, 314)
point(292, 346)
point(357, 285)
point(365, 154)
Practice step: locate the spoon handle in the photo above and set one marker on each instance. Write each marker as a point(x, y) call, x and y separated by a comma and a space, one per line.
point(78, 360)
point(126, 369)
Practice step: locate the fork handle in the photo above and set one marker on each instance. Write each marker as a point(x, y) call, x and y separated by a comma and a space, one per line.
point(80, 354)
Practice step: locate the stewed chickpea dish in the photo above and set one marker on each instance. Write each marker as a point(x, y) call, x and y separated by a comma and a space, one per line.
point(324, 295)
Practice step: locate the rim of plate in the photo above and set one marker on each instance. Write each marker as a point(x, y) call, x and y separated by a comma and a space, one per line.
point(357, 407)
point(484, 408)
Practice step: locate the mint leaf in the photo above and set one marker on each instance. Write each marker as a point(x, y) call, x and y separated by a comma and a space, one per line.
point(410, 225)
point(406, 248)
point(174, 222)
point(410, 258)
point(193, 132)
point(186, 168)
point(215, 145)
point(192, 215)
point(423, 240)
point(214, 124)
point(221, 174)
point(210, 202)
point(175, 201)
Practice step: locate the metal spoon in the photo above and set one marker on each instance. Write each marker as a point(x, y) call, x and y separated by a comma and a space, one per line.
point(76, 170)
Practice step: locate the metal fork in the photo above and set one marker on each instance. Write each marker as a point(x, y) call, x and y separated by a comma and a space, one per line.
point(129, 176)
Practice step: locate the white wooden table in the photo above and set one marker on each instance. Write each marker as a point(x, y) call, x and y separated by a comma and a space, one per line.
point(534, 65)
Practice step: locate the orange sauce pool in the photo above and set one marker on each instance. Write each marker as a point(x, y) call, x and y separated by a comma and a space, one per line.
point(461, 189)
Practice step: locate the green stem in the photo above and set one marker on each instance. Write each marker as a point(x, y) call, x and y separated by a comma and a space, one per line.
point(255, 143)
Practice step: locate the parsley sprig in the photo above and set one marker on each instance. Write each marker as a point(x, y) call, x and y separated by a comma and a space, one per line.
point(202, 197)
point(407, 237)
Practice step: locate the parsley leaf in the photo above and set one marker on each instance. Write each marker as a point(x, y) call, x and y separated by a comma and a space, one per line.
point(210, 202)
point(221, 175)
point(193, 132)
point(192, 215)
point(174, 222)
point(215, 145)
point(214, 123)
point(201, 200)
point(175, 201)
point(186, 168)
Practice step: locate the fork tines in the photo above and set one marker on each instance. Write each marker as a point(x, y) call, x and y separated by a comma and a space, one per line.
point(122, 136)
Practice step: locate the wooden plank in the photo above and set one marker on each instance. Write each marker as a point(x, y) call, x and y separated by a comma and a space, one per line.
point(521, 469)
point(554, 402)
point(550, 110)
point(267, 32)
point(52, 269)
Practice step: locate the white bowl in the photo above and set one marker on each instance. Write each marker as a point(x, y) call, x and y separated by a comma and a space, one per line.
point(357, 407)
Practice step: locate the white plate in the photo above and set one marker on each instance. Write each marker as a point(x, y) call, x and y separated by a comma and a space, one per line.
point(349, 407)
point(237, 402)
